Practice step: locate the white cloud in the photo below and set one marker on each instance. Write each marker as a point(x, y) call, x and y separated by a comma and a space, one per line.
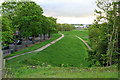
point(67, 8)
point(1, 1)
point(58, 1)
point(69, 11)
point(74, 20)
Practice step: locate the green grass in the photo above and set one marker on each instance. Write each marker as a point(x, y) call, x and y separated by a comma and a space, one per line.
point(81, 33)
point(63, 72)
point(69, 51)
point(64, 59)
point(36, 46)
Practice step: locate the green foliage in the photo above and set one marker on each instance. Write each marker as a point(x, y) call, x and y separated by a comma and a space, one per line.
point(53, 27)
point(26, 17)
point(85, 28)
point(44, 64)
point(66, 27)
point(62, 72)
point(6, 32)
point(103, 36)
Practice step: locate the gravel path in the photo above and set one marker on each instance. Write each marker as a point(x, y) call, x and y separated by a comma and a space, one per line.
point(38, 49)
point(84, 42)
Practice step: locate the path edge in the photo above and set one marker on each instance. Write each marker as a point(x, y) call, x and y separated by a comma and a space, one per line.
point(84, 42)
point(40, 49)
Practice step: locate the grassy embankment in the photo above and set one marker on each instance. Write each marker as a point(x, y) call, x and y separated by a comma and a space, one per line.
point(66, 58)
point(36, 46)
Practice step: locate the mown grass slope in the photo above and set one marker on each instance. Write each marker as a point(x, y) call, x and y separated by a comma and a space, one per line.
point(36, 46)
point(64, 59)
point(69, 51)
point(80, 33)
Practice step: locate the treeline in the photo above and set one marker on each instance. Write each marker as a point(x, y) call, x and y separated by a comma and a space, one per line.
point(103, 34)
point(27, 18)
point(66, 27)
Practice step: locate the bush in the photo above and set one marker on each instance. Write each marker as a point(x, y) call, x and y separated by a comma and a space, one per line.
point(66, 27)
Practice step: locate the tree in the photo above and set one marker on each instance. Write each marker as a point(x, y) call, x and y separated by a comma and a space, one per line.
point(52, 26)
point(66, 27)
point(28, 17)
point(103, 36)
point(8, 11)
point(7, 36)
point(44, 26)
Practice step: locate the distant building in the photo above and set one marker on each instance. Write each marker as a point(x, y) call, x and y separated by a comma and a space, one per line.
point(81, 26)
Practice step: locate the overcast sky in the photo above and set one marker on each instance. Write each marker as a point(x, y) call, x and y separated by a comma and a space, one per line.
point(69, 11)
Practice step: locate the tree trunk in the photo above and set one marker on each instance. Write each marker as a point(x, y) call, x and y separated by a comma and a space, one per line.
point(15, 48)
point(33, 40)
point(26, 41)
point(111, 37)
point(49, 34)
point(108, 41)
point(116, 39)
point(43, 36)
point(19, 35)
point(40, 37)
